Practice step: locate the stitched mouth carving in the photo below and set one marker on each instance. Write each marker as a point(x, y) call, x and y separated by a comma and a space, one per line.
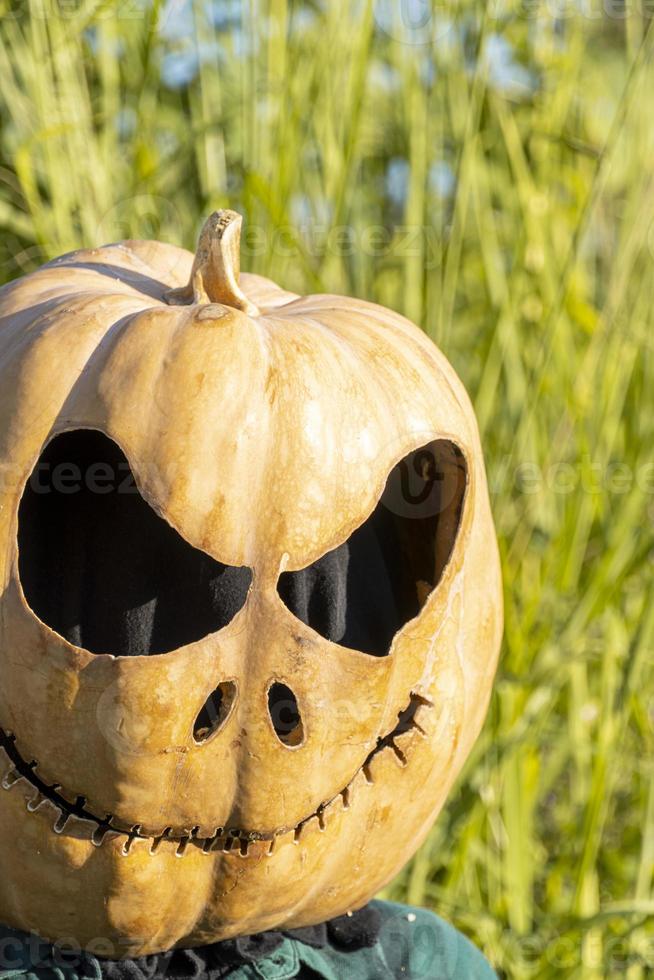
point(225, 839)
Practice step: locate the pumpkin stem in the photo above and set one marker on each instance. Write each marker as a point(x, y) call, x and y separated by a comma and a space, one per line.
point(216, 269)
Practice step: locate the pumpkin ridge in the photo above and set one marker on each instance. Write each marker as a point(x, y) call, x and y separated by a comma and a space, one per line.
point(419, 339)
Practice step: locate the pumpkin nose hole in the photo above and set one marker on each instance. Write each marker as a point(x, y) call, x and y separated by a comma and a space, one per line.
point(285, 715)
point(215, 711)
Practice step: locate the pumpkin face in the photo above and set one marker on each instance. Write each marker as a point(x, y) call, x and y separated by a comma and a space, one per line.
point(251, 597)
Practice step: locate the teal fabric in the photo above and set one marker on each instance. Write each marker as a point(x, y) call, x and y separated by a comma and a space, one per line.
point(413, 944)
point(29, 958)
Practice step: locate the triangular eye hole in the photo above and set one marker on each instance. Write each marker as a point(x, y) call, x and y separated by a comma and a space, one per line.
point(102, 569)
point(362, 593)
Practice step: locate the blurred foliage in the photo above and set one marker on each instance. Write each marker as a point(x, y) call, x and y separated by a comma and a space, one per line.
point(487, 170)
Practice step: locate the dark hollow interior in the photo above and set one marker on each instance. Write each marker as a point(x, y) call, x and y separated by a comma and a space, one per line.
point(285, 714)
point(362, 593)
point(214, 711)
point(103, 570)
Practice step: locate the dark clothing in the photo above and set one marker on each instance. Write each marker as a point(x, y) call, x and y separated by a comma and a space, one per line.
point(384, 940)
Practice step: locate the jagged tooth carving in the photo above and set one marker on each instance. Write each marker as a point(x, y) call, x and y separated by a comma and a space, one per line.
point(385, 763)
point(80, 828)
point(67, 795)
point(258, 848)
point(281, 840)
point(118, 825)
point(425, 718)
point(164, 843)
point(190, 830)
point(50, 811)
point(95, 811)
point(6, 765)
point(308, 827)
point(406, 742)
point(332, 810)
point(132, 845)
point(372, 765)
point(104, 835)
point(165, 832)
point(60, 822)
point(12, 777)
point(360, 783)
point(130, 842)
point(152, 831)
point(36, 801)
point(236, 844)
point(207, 831)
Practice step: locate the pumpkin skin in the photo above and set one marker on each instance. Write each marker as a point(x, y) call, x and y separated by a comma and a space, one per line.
point(309, 402)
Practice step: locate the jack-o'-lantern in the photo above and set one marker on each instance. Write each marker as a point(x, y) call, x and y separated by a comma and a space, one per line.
point(250, 596)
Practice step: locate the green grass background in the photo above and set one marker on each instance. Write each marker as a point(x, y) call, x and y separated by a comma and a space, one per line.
point(487, 169)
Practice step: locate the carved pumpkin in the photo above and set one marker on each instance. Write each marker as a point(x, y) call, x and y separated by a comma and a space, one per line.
point(251, 598)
